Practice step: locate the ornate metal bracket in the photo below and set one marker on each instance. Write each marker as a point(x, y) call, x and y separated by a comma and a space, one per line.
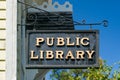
point(61, 18)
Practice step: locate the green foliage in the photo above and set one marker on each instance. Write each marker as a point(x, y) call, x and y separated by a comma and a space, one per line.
point(104, 72)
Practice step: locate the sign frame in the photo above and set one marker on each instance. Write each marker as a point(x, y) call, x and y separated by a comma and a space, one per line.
point(28, 66)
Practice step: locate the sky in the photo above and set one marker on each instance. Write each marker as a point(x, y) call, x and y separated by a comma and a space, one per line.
point(96, 11)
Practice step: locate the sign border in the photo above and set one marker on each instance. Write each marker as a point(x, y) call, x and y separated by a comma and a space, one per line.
point(28, 66)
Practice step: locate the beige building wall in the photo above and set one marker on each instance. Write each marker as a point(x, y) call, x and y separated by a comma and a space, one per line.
point(2, 38)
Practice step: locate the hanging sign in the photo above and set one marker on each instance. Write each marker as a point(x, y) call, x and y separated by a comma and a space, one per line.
point(62, 48)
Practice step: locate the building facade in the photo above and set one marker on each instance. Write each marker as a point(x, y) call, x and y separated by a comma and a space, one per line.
point(11, 64)
point(2, 39)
